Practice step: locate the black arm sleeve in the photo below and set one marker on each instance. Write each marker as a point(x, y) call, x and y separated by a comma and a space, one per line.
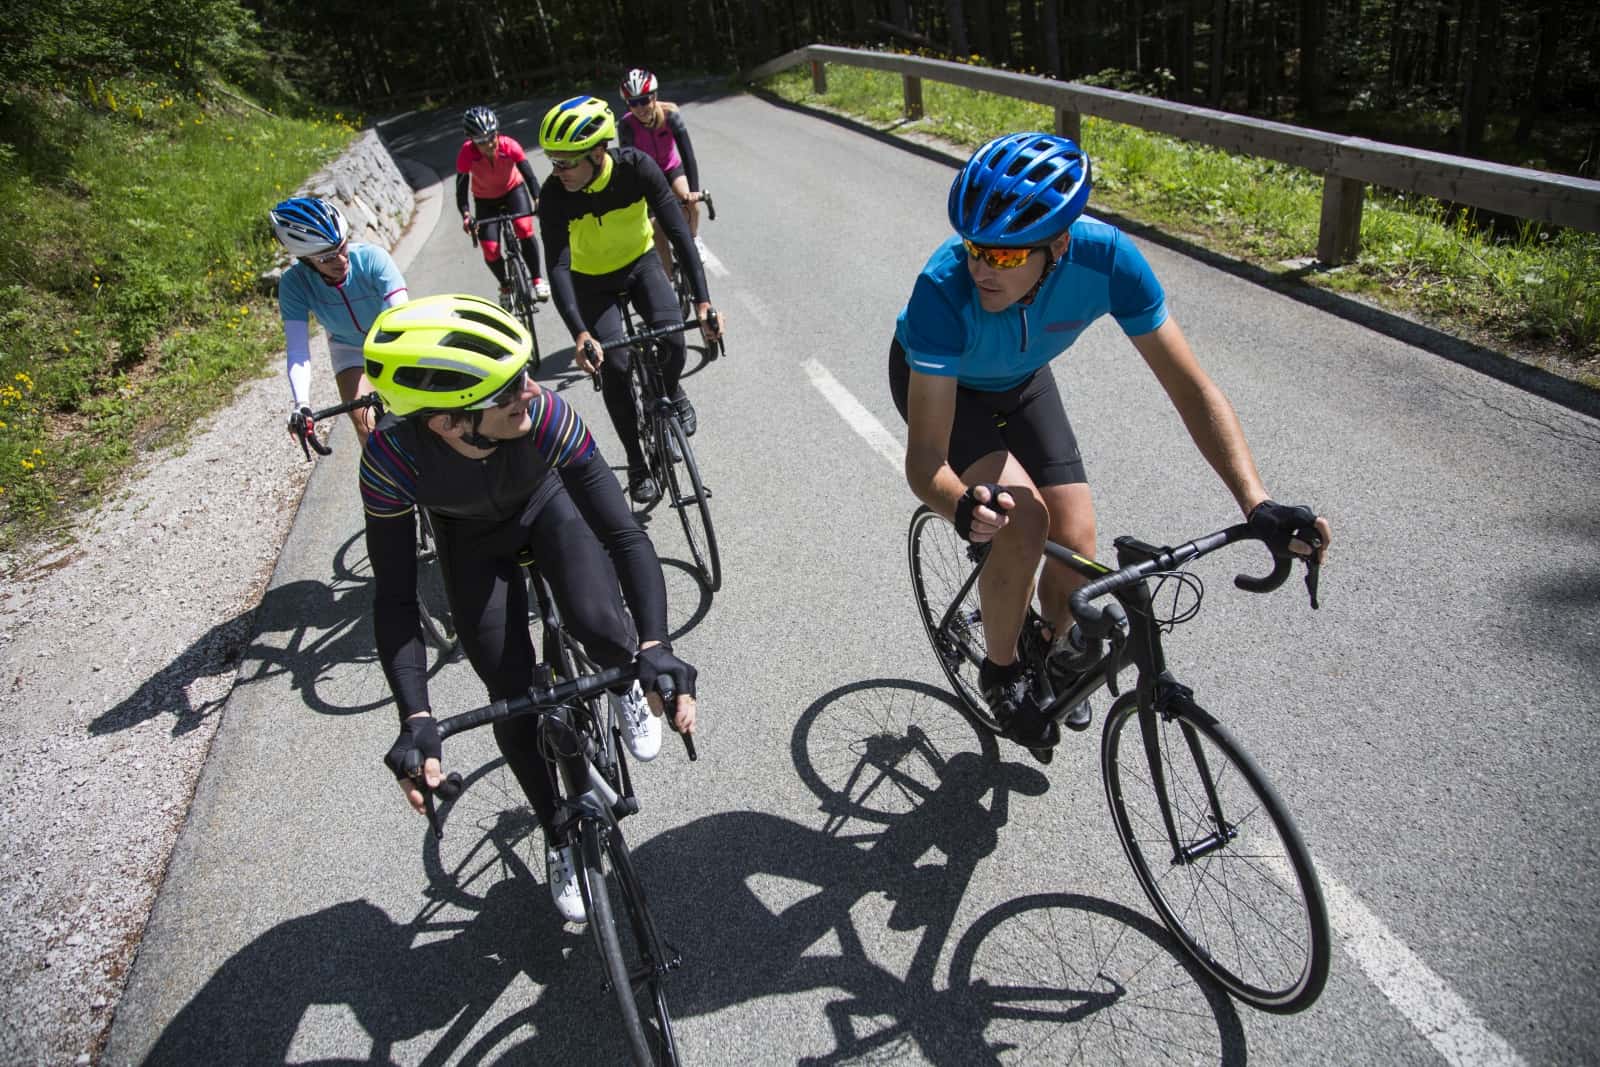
point(680, 133)
point(525, 168)
point(625, 134)
point(664, 205)
point(558, 257)
point(396, 620)
point(594, 489)
point(463, 183)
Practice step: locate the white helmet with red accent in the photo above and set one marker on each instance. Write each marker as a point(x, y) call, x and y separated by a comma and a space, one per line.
point(636, 83)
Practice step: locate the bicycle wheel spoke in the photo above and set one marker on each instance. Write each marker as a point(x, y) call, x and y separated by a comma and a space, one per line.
point(1239, 894)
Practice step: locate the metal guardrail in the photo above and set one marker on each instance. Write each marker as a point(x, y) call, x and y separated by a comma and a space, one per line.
point(1348, 164)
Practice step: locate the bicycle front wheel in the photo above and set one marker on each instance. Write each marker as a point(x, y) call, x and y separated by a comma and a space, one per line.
point(433, 602)
point(692, 501)
point(527, 303)
point(635, 966)
point(1239, 892)
point(944, 583)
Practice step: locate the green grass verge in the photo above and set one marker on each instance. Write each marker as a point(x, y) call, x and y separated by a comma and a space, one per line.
point(132, 231)
point(1535, 292)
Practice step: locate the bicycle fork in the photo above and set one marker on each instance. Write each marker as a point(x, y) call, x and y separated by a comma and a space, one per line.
point(1165, 701)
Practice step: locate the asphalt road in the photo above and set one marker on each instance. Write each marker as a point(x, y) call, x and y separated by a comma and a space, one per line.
point(1431, 726)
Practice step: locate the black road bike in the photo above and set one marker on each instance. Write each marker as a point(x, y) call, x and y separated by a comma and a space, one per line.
point(525, 303)
point(1210, 841)
point(666, 448)
point(580, 740)
point(433, 602)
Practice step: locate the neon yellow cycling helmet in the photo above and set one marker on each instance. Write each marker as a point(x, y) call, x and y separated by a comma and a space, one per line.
point(577, 125)
point(444, 353)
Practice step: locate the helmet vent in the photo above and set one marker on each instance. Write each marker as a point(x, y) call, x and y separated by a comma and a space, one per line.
point(474, 343)
point(434, 380)
point(487, 320)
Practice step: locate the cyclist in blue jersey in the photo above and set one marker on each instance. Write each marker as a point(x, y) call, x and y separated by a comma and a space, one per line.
point(989, 445)
point(345, 284)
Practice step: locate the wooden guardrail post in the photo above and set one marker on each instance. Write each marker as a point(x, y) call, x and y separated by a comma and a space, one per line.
point(911, 86)
point(819, 77)
point(1339, 240)
point(1069, 123)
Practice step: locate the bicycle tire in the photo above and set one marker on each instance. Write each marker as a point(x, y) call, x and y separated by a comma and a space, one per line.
point(940, 570)
point(680, 286)
point(633, 975)
point(692, 502)
point(525, 300)
point(1287, 920)
point(433, 600)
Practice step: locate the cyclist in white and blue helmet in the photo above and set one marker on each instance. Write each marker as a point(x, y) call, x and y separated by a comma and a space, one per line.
point(344, 284)
point(989, 444)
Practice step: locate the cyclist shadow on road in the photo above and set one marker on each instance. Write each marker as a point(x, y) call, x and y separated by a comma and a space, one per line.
point(913, 800)
point(350, 978)
point(305, 628)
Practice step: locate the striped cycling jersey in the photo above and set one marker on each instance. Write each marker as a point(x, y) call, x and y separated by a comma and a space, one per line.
point(347, 309)
point(405, 464)
point(947, 333)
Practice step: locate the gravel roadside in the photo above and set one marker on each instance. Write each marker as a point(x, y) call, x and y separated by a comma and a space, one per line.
point(117, 656)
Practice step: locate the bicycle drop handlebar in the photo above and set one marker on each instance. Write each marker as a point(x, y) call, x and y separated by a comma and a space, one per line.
point(1096, 621)
point(653, 334)
point(479, 225)
point(305, 430)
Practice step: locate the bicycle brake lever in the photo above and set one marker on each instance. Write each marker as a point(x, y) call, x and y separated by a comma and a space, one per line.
point(1118, 633)
point(450, 788)
point(670, 710)
point(1312, 570)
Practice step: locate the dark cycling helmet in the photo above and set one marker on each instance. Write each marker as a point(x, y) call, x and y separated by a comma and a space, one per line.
point(1020, 190)
point(577, 125)
point(638, 82)
point(480, 123)
point(307, 226)
point(444, 353)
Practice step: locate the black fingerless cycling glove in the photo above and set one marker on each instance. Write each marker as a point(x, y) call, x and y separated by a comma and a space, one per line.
point(1277, 524)
point(658, 662)
point(418, 741)
point(965, 506)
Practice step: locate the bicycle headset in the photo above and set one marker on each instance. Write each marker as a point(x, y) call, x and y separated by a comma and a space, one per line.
point(1021, 190)
point(449, 353)
point(307, 226)
point(480, 123)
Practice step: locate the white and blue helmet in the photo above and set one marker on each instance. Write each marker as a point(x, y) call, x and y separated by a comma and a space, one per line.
point(307, 226)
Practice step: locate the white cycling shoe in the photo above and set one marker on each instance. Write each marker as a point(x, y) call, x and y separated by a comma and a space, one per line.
point(541, 289)
point(508, 299)
point(561, 870)
point(641, 731)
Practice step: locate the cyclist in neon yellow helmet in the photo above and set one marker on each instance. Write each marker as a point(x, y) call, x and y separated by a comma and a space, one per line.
point(595, 212)
point(503, 467)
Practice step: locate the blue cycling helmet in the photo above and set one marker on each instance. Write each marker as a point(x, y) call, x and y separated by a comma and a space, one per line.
point(1020, 190)
point(307, 226)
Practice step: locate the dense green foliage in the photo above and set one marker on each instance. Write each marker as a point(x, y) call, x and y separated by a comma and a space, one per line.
point(132, 229)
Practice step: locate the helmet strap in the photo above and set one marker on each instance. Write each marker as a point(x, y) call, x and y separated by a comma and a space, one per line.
point(602, 175)
point(477, 440)
point(1049, 265)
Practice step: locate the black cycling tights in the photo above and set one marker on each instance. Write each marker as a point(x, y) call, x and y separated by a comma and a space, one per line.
point(654, 301)
point(490, 604)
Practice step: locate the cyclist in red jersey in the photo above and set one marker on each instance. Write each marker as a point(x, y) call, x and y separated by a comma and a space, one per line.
point(495, 169)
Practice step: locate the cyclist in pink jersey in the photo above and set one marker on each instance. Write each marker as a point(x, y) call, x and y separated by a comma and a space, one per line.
point(495, 169)
point(656, 128)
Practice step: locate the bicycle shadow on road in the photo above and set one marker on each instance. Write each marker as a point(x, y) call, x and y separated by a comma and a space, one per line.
point(304, 628)
point(348, 984)
point(913, 799)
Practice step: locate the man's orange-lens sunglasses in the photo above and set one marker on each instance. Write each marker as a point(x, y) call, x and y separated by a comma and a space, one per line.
point(999, 258)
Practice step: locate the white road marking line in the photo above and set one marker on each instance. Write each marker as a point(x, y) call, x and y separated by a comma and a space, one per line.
point(712, 264)
point(1437, 1012)
point(757, 309)
point(860, 419)
point(1425, 1000)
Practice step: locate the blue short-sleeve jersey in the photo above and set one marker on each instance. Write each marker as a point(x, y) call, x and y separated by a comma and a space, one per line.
point(347, 310)
point(946, 332)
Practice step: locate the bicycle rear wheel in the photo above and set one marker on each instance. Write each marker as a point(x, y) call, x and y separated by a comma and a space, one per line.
point(1241, 894)
point(433, 602)
point(635, 963)
point(692, 500)
point(944, 583)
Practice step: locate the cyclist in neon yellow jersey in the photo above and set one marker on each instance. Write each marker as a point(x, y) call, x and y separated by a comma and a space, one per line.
point(595, 211)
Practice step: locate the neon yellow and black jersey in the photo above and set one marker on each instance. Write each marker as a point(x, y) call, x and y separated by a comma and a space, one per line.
point(605, 226)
